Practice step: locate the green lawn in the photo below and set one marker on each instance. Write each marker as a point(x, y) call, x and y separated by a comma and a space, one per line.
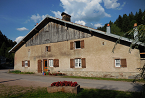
point(19, 72)
point(99, 78)
point(30, 92)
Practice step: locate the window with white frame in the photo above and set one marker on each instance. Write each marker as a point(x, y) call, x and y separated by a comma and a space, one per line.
point(117, 63)
point(26, 63)
point(78, 63)
point(50, 63)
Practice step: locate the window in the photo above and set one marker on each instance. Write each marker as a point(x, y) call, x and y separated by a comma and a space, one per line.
point(50, 63)
point(54, 63)
point(48, 48)
point(120, 63)
point(26, 63)
point(78, 63)
point(77, 45)
point(117, 63)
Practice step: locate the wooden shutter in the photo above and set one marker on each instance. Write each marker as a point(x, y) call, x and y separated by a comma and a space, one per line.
point(82, 43)
point(72, 65)
point(28, 63)
point(83, 63)
point(123, 63)
point(71, 45)
point(23, 63)
point(49, 48)
point(39, 66)
point(56, 62)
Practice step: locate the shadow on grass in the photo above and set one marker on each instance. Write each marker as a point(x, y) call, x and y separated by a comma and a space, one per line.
point(9, 80)
point(99, 93)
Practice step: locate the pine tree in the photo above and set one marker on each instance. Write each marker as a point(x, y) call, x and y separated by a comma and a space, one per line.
point(3, 49)
point(126, 23)
point(131, 16)
point(119, 21)
point(116, 30)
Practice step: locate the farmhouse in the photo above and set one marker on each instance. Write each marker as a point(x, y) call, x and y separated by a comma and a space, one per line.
point(58, 45)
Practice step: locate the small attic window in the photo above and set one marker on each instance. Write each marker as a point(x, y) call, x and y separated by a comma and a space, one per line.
point(77, 44)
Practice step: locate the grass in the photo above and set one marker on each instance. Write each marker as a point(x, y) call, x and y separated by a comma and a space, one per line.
point(99, 78)
point(19, 72)
point(31, 92)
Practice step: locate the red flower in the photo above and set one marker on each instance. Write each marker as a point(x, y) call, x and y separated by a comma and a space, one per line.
point(64, 83)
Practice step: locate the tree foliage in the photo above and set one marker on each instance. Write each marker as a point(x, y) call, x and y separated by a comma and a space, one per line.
point(125, 23)
point(5, 45)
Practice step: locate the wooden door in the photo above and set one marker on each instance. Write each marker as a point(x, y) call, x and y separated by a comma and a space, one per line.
point(45, 65)
point(39, 66)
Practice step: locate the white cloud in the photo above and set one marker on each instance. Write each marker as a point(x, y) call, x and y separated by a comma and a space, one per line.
point(86, 10)
point(57, 14)
point(98, 25)
point(111, 4)
point(80, 22)
point(37, 17)
point(43, 16)
point(18, 39)
point(122, 6)
point(22, 29)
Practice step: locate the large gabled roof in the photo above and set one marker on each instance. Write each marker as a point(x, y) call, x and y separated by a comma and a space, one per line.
point(48, 18)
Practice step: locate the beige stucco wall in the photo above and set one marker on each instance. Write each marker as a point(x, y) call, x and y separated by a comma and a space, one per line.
point(99, 58)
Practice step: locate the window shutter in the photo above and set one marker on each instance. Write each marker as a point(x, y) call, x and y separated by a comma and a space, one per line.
point(49, 48)
point(23, 63)
point(71, 45)
point(28, 63)
point(56, 62)
point(82, 43)
point(72, 63)
point(83, 63)
point(123, 63)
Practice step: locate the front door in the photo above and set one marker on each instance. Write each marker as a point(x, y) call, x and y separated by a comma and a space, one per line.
point(45, 65)
point(39, 66)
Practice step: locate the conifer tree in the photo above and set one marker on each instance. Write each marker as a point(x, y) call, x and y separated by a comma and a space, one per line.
point(119, 21)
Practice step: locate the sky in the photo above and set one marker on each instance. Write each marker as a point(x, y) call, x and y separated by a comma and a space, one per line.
point(19, 17)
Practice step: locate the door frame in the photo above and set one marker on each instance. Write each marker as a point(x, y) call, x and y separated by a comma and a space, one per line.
point(45, 68)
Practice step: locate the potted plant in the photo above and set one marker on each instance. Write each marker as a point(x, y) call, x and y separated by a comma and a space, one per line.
point(44, 73)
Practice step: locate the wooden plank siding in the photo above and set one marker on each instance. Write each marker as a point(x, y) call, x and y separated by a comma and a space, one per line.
point(54, 32)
